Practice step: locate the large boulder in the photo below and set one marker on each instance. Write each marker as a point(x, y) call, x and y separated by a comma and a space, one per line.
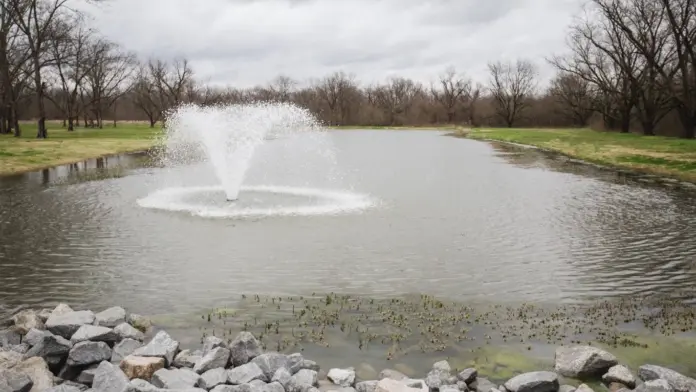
point(213, 378)
point(59, 310)
point(281, 376)
point(342, 377)
point(34, 336)
point(187, 358)
point(111, 317)
point(244, 348)
point(305, 377)
point(127, 331)
point(175, 378)
point(66, 324)
point(109, 378)
point(270, 363)
point(468, 375)
point(95, 334)
point(26, 320)
point(141, 367)
point(215, 358)
point(583, 361)
point(12, 381)
point(87, 353)
point(677, 381)
point(162, 345)
point(123, 349)
point(658, 385)
point(37, 370)
point(533, 382)
point(620, 374)
point(245, 374)
point(52, 348)
point(86, 376)
point(10, 337)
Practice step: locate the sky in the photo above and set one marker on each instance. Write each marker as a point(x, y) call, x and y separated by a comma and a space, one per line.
point(249, 42)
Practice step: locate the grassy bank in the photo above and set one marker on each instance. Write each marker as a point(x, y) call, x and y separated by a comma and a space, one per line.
point(648, 154)
point(395, 127)
point(27, 153)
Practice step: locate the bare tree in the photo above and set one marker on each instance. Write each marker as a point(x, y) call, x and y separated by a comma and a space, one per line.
point(14, 60)
point(575, 97)
point(282, 88)
point(395, 98)
point(451, 91)
point(335, 91)
point(511, 85)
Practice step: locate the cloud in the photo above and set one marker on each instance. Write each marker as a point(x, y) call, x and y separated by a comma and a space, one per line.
point(249, 42)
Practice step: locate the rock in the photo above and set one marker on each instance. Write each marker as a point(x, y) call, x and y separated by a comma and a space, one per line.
point(95, 334)
point(367, 386)
point(449, 388)
point(273, 387)
point(616, 387)
point(138, 385)
point(141, 367)
point(87, 376)
point(21, 348)
point(228, 388)
point(215, 358)
point(73, 384)
point(566, 388)
point(10, 337)
point(365, 371)
point(443, 366)
point(583, 361)
point(9, 359)
point(211, 342)
point(677, 381)
point(244, 348)
point(212, 378)
point(281, 376)
point(123, 349)
point(533, 382)
point(139, 322)
point(349, 389)
point(64, 388)
point(36, 369)
point(620, 374)
point(658, 385)
point(34, 336)
point(67, 324)
point(12, 381)
point(60, 310)
point(50, 348)
point(462, 386)
point(468, 375)
point(437, 377)
point(187, 359)
point(269, 363)
point(390, 385)
point(482, 385)
point(44, 314)
point(584, 388)
point(247, 373)
point(175, 378)
point(162, 345)
point(342, 377)
point(87, 353)
point(126, 331)
point(26, 320)
point(109, 378)
point(111, 317)
point(69, 372)
point(307, 377)
point(391, 373)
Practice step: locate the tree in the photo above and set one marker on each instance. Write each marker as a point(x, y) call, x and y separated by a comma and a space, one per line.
point(335, 91)
point(575, 97)
point(453, 89)
point(511, 85)
point(395, 98)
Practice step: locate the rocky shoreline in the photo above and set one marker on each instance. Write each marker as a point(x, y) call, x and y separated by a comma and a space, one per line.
point(63, 350)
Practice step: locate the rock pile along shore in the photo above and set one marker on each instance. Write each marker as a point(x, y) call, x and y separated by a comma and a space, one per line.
point(63, 350)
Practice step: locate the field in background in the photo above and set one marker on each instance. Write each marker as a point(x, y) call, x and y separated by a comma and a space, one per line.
point(649, 154)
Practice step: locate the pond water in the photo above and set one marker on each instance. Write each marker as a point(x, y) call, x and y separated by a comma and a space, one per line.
point(453, 218)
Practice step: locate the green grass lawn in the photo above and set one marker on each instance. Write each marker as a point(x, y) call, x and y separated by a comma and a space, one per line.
point(650, 154)
point(27, 153)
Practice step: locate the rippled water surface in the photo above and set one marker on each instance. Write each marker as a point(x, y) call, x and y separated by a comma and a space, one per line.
point(450, 217)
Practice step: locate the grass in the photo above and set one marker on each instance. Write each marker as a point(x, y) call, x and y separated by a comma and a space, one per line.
point(439, 127)
point(18, 155)
point(658, 155)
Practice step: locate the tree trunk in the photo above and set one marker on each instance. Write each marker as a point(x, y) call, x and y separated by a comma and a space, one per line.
point(71, 125)
point(41, 132)
point(15, 121)
point(648, 128)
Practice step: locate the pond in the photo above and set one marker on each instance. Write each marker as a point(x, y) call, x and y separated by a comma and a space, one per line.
point(457, 219)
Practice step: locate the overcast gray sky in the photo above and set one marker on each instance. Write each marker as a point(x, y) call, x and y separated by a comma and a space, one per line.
point(248, 42)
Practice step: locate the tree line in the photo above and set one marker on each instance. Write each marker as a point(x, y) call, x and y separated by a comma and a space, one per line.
point(630, 66)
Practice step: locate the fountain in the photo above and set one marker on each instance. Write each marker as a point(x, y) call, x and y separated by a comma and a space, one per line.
point(226, 138)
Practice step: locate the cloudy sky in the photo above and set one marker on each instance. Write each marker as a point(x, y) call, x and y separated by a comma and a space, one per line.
point(249, 42)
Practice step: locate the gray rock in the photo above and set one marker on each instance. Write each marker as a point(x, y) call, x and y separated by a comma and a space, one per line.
point(246, 373)
point(281, 376)
point(37, 370)
point(583, 361)
point(273, 387)
point(26, 320)
point(533, 382)
point(584, 388)
point(60, 310)
point(443, 366)
point(449, 388)
point(123, 349)
point(211, 342)
point(109, 378)
point(392, 374)
point(64, 388)
point(50, 347)
point(34, 336)
point(212, 378)
point(566, 388)
point(68, 372)
point(244, 348)
point(658, 385)
point(391, 385)
point(10, 337)
point(44, 314)
point(95, 334)
point(295, 363)
point(307, 377)
point(87, 353)
point(227, 388)
point(87, 376)
point(468, 375)
point(436, 378)
point(21, 348)
point(127, 331)
point(342, 377)
point(162, 345)
point(462, 386)
point(139, 385)
point(139, 322)
point(366, 386)
point(187, 359)
point(74, 384)
point(67, 324)
point(677, 381)
point(270, 363)
point(620, 374)
point(482, 385)
point(215, 358)
point(175, 378)
point(111, 317)
point(12, 381)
